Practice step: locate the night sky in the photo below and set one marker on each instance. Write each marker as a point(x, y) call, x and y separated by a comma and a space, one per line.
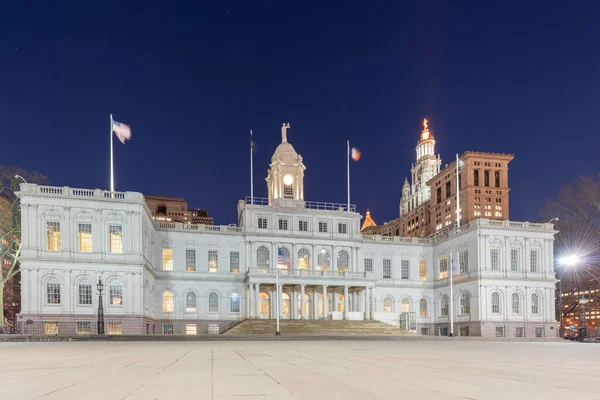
point(193, 78)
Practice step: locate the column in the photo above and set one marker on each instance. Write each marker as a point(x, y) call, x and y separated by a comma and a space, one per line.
point(334, 300)
point(372, 301)
point(280, 299)
point(257, 300)
point(325, 308)
point(302, 316)
point(272, 302)
point(366, 303)
point(354, 301)
point(250, 300)
point(315, 304)
point(345, 302)
point(294, 304)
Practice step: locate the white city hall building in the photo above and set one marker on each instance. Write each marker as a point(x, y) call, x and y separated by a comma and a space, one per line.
point(165, 277)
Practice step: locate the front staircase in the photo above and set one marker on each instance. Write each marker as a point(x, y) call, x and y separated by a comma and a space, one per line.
point(314, 327)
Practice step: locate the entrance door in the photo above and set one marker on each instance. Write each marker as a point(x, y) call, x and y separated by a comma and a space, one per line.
point(265, 305)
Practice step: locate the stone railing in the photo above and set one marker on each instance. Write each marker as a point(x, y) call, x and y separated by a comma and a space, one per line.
point(312, 205)
point(485, 223)
point(179, 226)
point(305, 272)
point(396, 239)
point(66, 191)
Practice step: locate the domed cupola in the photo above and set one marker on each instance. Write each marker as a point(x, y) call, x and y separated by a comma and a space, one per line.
point(285, 179)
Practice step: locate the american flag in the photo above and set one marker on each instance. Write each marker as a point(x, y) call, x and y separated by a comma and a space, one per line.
point(122, 131)
point(282, 258)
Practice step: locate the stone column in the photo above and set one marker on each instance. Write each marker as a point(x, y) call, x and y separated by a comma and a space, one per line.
point(354, 301)
point(294, 304)
point(372, 301)
point(325, 305)
point(251, 300)
point(256, 293)
point(315, 304)
point(280, 289)
point(302, 302)
point(345, 302)
point(366, 303)
point(334, 300)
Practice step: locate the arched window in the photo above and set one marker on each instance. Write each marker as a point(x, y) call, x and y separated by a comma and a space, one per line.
point(406, 304)
point(516, 303)
point(262, 258)
point(388, 305)
point(303, 259)
point(535, 304)
point(168, 301)
point(323, 261)
point(283, 260)
point(213, 302)
point(85, 292)
point(444, 306)
point(115, 292)
point(343, 261)
point(190, 302)
point(465, 304)
point(423, 308)
point(53, 291)
point(495, 303)
point(234, 303)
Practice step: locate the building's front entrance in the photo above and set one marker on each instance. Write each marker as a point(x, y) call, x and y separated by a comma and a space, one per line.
point(265, 305)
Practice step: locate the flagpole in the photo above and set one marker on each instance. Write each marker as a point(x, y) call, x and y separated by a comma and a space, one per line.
point(251, 169)
point(451, 296)
point(112, 172)
point(348, 162)
point(457, 194)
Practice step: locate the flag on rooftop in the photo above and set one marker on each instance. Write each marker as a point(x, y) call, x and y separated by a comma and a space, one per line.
point(122, 131)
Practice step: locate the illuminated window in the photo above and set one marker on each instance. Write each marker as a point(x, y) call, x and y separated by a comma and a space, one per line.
point(190, 302)
point(423, 270)
point(116, 238)
point(444, 306)
point(514, 260)
point(116, 293)
point(262, 258)
point(213, 303)
point(168, 301)
point(262, 223)
point(84, 236)
point(167, 256)
point(343, 261)
point(387, 269)
point(283, 260)
point(368, 264)
point(303, 225)
point(404, 269)
point(516, 304)
point(190, 260)
point(85, 292)
point(213, 264)
point(388, 305)
point(465, 304)
point(303, 259)
point(288, 191)
point(494, 255)
point(535, 304)
point(495, 303)
point(234, 303)
point(423, 308)
point(533, 261)
point(84, 327)
point(463, 260)
point(323, 260)
point(51, 327)
point(443, 268)
point(53, 235)
point(53, 291)
point(406, 304)
point(115, 328)
point(190, 329)
point(234, 262)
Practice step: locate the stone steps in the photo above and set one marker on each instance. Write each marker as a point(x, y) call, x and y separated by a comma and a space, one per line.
point(314, 327)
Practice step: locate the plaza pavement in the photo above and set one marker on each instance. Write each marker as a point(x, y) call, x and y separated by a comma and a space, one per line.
point(436, 369)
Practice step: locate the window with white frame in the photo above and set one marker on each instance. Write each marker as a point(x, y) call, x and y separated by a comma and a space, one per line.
point(323, 227)
point(213, 303)
point(368, 264)
point(168, 329)
point(343, 261)
point(84, 328)
point(516, 303)
point(115, 292)
point(423, 270)
point(500, 331)
point(444, 306)
point(114, 327)
point(465, 304)
point(303, 259)
point(116, 238)
point(495, 303)
point(443, 267)
point(404, 269)
point(190, 302)
point(514, 260)
point(234, 303)
point(53, 235)
point(191, 329)
point(388, 305)
point(167, 259)
point(53, 291)
point(323, 260)
point(303, 225)
point(406, 304)
point(51, 327)
point(535, 304)
point(533, 262)
point(283, 224)
point(85, 292)
point(342, 227)
point(190, 260)
point(262, 258)
point(539, 332)
point(463, 261)
point(168, 301)
point(234, 262)
point(494, 256)
point(262, 223)
point(213, 263)
point(423, 308)
point(387, 269)
point(84, 236)
point(520, 331)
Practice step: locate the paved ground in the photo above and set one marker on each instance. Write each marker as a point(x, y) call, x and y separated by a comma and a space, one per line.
point(300, 370)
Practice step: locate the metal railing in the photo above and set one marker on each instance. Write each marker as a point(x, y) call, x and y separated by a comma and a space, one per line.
point(312, 205)
point(306, 272)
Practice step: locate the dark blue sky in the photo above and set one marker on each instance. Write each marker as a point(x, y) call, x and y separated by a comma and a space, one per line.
point(192, 78)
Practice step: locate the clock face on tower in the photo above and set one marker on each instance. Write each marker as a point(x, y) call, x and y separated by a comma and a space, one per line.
point(288, 180)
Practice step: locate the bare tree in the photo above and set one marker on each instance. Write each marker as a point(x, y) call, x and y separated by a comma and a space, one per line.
point(10, 234)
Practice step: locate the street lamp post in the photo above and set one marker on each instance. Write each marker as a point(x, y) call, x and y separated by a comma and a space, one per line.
point(568, 261)
point(277, 333)
point(100, 287)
